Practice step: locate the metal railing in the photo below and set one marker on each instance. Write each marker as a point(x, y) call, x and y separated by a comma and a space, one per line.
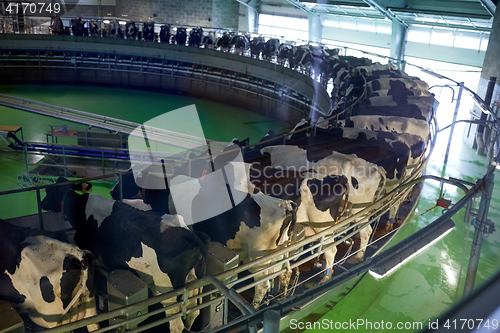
point(280, 259)
point(160, 67)
point(288, 253)
point(277, 260)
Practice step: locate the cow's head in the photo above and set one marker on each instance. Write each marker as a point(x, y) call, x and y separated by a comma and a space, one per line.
point(55, 195)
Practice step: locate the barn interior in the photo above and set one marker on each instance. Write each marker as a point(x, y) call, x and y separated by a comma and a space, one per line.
point(69, 101)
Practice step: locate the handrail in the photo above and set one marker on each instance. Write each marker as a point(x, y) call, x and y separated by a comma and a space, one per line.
point(378, 206)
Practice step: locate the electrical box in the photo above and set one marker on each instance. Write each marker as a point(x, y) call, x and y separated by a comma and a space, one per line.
point(124, 288)
point(10, 321)
point(219, 259)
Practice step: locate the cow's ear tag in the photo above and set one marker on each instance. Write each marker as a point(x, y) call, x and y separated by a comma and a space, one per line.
point(86, 187)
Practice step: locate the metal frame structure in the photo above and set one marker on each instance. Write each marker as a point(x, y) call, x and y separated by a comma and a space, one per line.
point(284, 257)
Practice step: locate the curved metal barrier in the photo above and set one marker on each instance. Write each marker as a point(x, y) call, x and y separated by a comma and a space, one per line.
point(161, 66)
point(287, 255)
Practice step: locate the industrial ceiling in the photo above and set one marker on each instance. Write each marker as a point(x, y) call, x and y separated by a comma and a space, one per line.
point(458, 14)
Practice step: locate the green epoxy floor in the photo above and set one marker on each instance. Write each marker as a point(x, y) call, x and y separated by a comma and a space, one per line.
point(420, 290)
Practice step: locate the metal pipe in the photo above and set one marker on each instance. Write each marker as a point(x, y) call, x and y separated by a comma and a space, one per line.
point(487, 101)
point(450, 137)
point(73, 153)
point(64, 162)
point(247, 5)
point(40, 216)
point(271, 321)
point(120, 185)
point(241, 303)
point(478, 235)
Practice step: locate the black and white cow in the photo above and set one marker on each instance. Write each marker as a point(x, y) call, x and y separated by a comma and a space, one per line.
point(224, 42)
point(302, 59)
point(165, 33)
point(163, 252)
point(77, 27)
point(318, 200)
point(257, 224)
point(393, 124)
point(208, 41)
point(56, 26)
point(241, 44)
point(94, 29)
point(270, 48)
point(256, 46)
point(195, 37)
point(115, 31)
point(181, 36)
point(131, 31)
point(41, 273)
point(366, 180)
point(148, 31)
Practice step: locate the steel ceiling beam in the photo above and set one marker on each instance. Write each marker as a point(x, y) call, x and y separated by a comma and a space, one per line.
point(384, 11)
point(301, 6)
point(448, 7)
point(489, 6)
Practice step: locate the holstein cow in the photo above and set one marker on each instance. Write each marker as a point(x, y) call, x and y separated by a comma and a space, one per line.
point(148, 31)
point(318, 200)
point(165, 33)
point(223, 42)
point(181, 36)
point(256, 225)
point(56, 26)
point(44, 275)
point(417, 127)
point(241, 44)
point(164, 254)
point(366, 180)
point(256, 46)
point(195, 37)
point(208, 40)
point(77, 27)
point(270, 48)
point(131, 30)
point(94, 29)
point(285, 53)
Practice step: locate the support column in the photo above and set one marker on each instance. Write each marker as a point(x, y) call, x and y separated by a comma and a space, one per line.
point(398, 42)
point(315, 27)
point(491, 68)
point(252, 16)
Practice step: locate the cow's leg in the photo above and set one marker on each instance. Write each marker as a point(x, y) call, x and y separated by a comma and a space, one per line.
point(364, 234)
point(285, 280)
point(90, 311)
point(330, 259)
point(191, 317)
point(260, 290)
